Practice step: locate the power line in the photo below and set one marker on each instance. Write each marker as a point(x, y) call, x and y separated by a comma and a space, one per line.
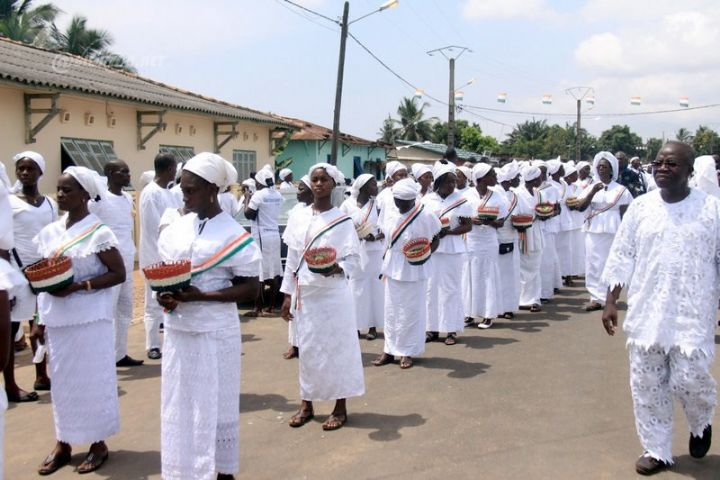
point(619, 114)
point(305, 16)
point(312, 11)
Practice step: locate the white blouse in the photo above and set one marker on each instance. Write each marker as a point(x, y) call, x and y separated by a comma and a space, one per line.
point(434, 203)
point(484, 237)
point(603, 214)
point(368, 213)
point(395, 265)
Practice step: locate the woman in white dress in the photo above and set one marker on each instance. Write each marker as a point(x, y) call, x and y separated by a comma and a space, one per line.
point(201, 366)
point(530, 241)
point(422, 174)
point(366, 286)
point(31, 212)
point(445, 301)
point(330, 362)
point(607, 201)
point(78, 324)
point(484, 247)
point(509, 261)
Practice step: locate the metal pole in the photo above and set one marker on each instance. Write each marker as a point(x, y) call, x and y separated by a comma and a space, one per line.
point(338, 88)
point(577, 134)
point(451, 106)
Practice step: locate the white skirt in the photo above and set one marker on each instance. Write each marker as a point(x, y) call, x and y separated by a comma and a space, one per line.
point(565, 252)
point(405, 316)
point(466, 286)
point(84, 390)
point(368, 292)
point(530, 278)
point(25, 303)
point(549, 267)
point(200, 404)
point(578, 249)
point(444, 294)
point(597, 249)
point(271, 264)
point(330, 361)
point(509, 267)
point(485, 301)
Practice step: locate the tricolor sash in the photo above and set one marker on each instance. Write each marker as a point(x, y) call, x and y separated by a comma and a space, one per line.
point(233, 247)
point(81, 237)
point(452, 207)
point(371, 204)
point(397, 233)
point(329, 226)
point(513, 204)
point(595, 213)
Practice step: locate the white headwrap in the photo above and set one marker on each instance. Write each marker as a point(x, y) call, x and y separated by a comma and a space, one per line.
point(250, 184)
point(331, 170)
point(405, 189)
point(420, 169)
point(34, 156)
point(89, 180)
point(359, 183)
point(530, 173)
point(500, 175)
point(265, 176)
point(610, 158)
point(284, 173)
point(706, 175)
point(582, 164)
point(212, 168)
point(440, 169)
point(569, 169)
point(480, 170)
point(467, 171)
point(393, 167)
point(511, 170)
point(539, 163)
point(553, 166)
point(306, 180)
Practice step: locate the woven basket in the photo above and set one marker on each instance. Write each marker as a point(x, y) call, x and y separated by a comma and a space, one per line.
point(50, 274)
point(488, 213)
point(168, 276)
point(363, 230)
point(445, 222)
point(572, 201)
point(545, 210)
point(417, 251)
point(321, 259)
point(521, 222)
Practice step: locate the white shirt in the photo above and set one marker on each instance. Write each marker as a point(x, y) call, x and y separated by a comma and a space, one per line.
point(603, 214)
point(267, 203)
point(154, 200)
point(507, 233)
point(367, 214)
point(116, 211)
point(669, 256)
point(287, 187)
point(439, 206)
point(526, 206)
point(550, 192)
point(228, 203)
point(482, 237)
point(395, 265)
point(28, 220)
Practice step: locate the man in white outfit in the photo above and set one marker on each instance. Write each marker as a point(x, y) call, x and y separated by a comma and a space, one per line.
point(154, 200)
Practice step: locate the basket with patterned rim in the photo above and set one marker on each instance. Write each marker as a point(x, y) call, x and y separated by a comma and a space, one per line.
point(488, 213)
point(168, 276)
point(445, 222)
point(364, 229)
point(50, 274)
point(321, 259)
point(417, 251)
point(572, 201)
point(521, 221)
point(545, 210)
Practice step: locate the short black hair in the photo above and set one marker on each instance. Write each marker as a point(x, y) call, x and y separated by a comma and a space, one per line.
point(164, 162)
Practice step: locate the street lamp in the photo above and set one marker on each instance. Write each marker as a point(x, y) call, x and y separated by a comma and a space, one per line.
point(449, 53)
point(341, 69)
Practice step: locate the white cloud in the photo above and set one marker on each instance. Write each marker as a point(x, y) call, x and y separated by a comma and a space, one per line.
point(506, 9)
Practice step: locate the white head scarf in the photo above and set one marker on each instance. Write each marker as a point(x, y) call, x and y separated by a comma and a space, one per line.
point(89, 180)
point(265, 176)
point(530, 173)
point(34, 156)
point(393, 167)
point(306, 180)
point(569, 169)
point(511, 170)
point(553, 166)
point(284, 173)
point(706, 175)
point(420, 169)
point(467, 171)
point(331, 170)
point(440, 169)
point(250, 184)
point(610, 158)
point(212, 168)
point(582, 164)
point(359, 183)
point(405, 189)
point(480, 170)
point(500, 175)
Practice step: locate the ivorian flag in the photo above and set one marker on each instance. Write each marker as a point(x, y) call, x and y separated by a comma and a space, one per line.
point(419, 92)
point(590, 100)
point(635, 100)
point(459, 96)
point(502, 97)
point(684, 102)
point(547, 99)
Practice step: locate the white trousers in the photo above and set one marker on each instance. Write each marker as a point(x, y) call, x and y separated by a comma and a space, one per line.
point(597, 249)
point(655, 377)
point(530, 278)
point(152, 319)
point(123, 301)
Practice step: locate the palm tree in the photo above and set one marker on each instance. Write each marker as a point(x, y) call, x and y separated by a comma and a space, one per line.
point(22, 22)
point(684, 135)
point(414, 127)
point(388, 133)
point(90, 43)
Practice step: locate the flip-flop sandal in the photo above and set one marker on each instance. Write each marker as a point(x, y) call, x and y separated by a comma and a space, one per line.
point(290, 354)
point(334, 423)
point(53, 463)
point(509, 315)
point(535, 308)
point(92, 462)
point(380, 361)
point(41, 386)
point(298, 420)
point(370, 336)
point(432, 337)
point(469, 321)
point(28, 397)
point(406, 363)
point(450, 340)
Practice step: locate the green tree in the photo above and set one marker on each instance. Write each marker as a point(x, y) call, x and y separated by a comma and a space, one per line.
point(471, 138)
point(705, 141)
point(23, 22)
point(684, 135)
point(527, 139)
point(388, 132)
point(652, 147)
point(588, 143)
point(620, 137)
point(413, 126)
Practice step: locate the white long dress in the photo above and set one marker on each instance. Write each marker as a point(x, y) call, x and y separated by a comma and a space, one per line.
point(330, 361)
point(116, 211)
point(668, 255)
point(601, 224)
point(549, 265)
point(445, 299)
point(563, 241)
point(406, 284)
point(366, 286)
point(292, 331)
point(267, 203)
point(200, 404)
point(531, 249)
point(484, 257)
point(80, 336)
point(509, 263)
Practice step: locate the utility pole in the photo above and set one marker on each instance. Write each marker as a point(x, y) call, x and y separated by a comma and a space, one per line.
point(579, 94)
point(449, 53)
point(339, 85)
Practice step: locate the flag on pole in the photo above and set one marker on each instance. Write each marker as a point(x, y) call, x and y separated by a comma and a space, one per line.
point(637, 101)
point(684, 102)
point(459, 96)
point(547, 99)
point(419, 93)
point(502, 97)
point(590, 100)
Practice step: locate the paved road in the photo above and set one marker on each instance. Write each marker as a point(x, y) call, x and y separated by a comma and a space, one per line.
point(543, 396)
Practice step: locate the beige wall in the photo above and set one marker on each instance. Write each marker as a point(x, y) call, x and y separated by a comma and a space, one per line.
point(124, 135)
point(412, 155)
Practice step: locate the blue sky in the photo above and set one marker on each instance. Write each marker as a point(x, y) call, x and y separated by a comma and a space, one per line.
point(266, 55)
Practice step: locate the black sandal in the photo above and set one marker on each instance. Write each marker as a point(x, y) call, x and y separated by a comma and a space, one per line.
point(298, 420)
point(53, 463)
point(432, 337)
point(92, 462)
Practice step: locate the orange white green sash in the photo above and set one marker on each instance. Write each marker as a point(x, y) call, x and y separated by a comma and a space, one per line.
point(614, 202)
point(320, 233)
point(452, 207)
point(81, 237)
point(235, 245)
point(370, 205)
point(513, 204)
point(397, 233)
